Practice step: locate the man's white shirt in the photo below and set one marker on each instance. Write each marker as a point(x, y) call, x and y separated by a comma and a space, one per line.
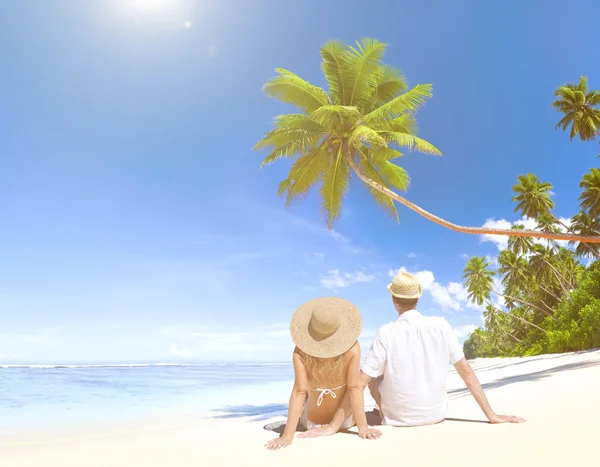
point(413, 354)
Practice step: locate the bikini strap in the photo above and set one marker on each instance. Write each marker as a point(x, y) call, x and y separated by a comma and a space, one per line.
point(326, 391)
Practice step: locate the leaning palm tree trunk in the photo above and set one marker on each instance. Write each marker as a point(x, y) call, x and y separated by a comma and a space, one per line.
point(549, 292)
point(460, 228)
point(562, 280)
point(513, 337)
point(521, 301)
point(517, 317)
point(569, 229)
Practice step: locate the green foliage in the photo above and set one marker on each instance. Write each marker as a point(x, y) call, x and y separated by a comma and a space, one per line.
point(552, 302)
point(590, 196)
point(366, 116)
point(579, 106)
point(574, 325)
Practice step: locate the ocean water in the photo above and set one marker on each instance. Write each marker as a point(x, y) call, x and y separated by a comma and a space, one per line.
point(56, 395)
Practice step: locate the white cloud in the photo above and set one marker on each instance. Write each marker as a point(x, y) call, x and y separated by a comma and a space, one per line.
point(334, 279)
point(446, 297)
point(412, 255)
point(493, 260)
point(319, 255)
point(344, 242)
point(462, 332)
point(464, 256)
point(458, 290)
point(501, 241)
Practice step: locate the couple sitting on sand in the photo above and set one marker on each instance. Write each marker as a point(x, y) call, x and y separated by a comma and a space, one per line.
point(405, 370)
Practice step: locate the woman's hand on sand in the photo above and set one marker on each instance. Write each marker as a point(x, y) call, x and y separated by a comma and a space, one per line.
point(279, 443)
point(495, 419)
point(370, 433)
point(325, 430)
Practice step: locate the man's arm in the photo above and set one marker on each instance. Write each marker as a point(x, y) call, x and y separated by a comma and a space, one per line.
point(470, 378)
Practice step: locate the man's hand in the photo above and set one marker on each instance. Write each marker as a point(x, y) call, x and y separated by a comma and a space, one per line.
point(278, 443)
point(495, 419)
point(325, 430)
point(369, 433)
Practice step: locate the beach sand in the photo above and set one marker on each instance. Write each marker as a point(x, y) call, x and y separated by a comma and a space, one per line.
point(559, 395)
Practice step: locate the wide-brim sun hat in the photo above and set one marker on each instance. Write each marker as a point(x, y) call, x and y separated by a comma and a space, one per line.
point(326, 327)
point(405, 285)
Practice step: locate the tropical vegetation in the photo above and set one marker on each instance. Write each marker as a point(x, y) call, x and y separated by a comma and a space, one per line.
point(580, 107)
point(538, 296)
point(361, 124)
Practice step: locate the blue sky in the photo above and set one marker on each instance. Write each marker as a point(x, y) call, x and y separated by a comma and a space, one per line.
point(137, 225)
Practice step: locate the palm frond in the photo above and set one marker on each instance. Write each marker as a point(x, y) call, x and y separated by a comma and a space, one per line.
point(365, 134)
point(370, 171)
point(336, 117)
point(362, 62)
point(589, 200)
point(334, 68)
point(289, 150)
point(304, 174)
point(410, 142)
point(388, 83)
point(395, 175)
point(386, 154)
point(410, 101)
point(566, 121)
point(291, 89)
point(280, 136)
point(593, 98)
point(292, 121)
point(336, 180)
point(406, 123)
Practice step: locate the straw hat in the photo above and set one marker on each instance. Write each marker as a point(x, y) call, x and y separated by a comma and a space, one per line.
point(326, 327)
point(405, 285)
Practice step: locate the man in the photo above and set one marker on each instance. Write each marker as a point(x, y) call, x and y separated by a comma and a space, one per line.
point(407, 367)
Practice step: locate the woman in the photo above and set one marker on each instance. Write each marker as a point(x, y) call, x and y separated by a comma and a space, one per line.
point(326, 365)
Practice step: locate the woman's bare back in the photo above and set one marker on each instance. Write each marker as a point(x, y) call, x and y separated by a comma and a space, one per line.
point(324, 396)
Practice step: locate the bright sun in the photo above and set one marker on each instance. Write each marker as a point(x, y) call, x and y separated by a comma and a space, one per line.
point(152, 6)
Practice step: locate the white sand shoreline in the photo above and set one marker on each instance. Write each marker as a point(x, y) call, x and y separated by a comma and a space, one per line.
point(557, 394)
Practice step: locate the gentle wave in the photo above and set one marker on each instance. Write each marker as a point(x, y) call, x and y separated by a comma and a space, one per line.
point(143, 365)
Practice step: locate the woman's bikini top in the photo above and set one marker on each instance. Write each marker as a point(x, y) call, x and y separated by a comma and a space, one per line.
point(326, 391)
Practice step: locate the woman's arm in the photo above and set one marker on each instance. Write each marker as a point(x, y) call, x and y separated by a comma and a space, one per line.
point(297, 399)
point(356, 390)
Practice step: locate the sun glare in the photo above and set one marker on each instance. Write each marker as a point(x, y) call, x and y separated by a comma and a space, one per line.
point(149, 5)
point(152, 7)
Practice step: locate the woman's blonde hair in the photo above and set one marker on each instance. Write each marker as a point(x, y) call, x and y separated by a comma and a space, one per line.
point(318, 368)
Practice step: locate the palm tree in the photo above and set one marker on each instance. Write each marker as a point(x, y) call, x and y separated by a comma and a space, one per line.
point(578, 104)
point(540, 263)
point(533, 200)
point(494, 322)
point(590, 197)
point(520, 245)
point(516, 276)
point(585, 224)
point(478, 281)
point(359, 125)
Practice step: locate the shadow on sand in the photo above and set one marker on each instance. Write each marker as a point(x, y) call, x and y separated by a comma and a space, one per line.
point(534, 376)
point(269, 411)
